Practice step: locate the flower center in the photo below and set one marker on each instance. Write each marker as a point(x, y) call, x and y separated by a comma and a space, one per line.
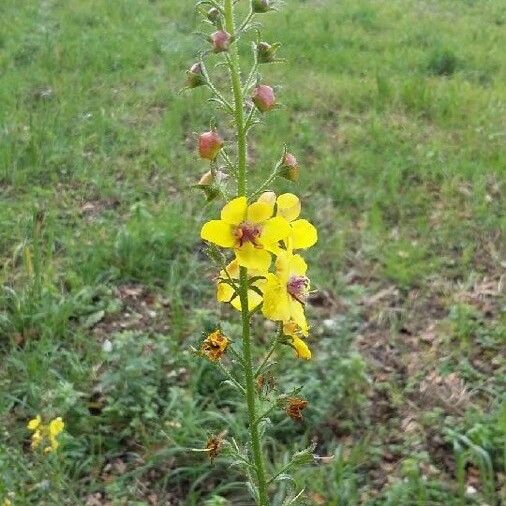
point(298, 287)
point(247, 232)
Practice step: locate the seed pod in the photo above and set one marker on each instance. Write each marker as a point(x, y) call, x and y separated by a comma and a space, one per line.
point(210, 144)
point(260, 6)
point(220, 41)
point(266, 53)
point(289, 168)
point(195, 76)
point(213, 15)
point(263, 97)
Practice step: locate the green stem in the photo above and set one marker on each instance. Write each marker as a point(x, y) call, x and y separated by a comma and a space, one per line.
point(235, 77)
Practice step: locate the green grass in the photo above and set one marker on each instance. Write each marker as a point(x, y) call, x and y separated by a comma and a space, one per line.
point(396, 111)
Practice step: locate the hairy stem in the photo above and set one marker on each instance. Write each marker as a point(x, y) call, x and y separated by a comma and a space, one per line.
point(235, 77)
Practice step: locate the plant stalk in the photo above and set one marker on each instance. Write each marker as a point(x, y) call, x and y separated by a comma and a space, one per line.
point(235, 77)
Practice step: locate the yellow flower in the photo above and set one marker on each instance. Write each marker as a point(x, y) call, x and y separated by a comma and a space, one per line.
point(285, 292)
point(36, 439)
point(250, 230)
point(299, 345)
point(34, 423)
point(226, 293)
point(214, 345)
point(303, 234)
point(46, 433)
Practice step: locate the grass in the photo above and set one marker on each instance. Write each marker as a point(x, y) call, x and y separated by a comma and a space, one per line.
point(396, 112)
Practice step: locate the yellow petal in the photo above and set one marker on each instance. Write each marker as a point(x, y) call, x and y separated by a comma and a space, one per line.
point(274, 230)
point(288, 206)
point(298, 266)
point(258, 212)
point(304, 235)
point(56, 426)
point(276, 304)
point(232, 269)
point(34, 423)
point(301, 348)
point(224, 292)
point(298, 316)
point(254, 299)
point(235, 211)
point(253, 258)
point(268, 198)
point(218, 232)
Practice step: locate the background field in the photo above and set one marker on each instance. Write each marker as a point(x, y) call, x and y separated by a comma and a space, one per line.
point(396, 111)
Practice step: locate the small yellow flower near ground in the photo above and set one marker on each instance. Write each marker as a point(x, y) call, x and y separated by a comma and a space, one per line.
point(285, 292)
point(226, 293)
point(34, 423)
point(299, 345)
point(215, 345)
point(46, 433)
point(250, 230)
point(303, 234)
point(7, 502)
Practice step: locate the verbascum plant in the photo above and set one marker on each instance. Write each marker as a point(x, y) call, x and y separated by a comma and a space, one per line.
point(256, 242)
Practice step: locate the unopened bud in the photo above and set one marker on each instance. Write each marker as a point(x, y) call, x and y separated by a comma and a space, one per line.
point(263, 97)
point(220, 41)
point(289, 168)
point(260, 6)
point(266, 53)
point(210, 144)
point(206, 179)
point(268, 198)
point(195, 76)
point(213, 15)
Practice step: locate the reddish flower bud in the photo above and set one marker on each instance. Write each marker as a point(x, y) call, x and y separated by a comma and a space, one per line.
point(220, 41)
point(210, 144)
point(266, 53)
point(195, 76)
point(289, 168)
point(263, 97)
point(260, 6)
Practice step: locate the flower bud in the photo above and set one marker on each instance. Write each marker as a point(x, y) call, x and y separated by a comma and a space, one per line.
point(210, 144)
point(195, 76)
point(213, 15)
point(268, 198)
point(260, 6)
point(266, 53)
point(206, 179)
point(220, 41)
point(263, 97)
point(289, 168)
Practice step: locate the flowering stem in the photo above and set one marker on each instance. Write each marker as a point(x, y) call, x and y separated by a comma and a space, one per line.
point(235, 77)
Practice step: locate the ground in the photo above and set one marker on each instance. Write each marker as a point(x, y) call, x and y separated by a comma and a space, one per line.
point(396, 112)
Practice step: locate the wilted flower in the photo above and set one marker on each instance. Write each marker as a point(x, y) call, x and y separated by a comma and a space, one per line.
point(294, 407)
point(210, 144)
point(213, 446)
point(263, 97)
point(220, 41)
point(215, 345)
point(195, 76)
point(250, 230)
